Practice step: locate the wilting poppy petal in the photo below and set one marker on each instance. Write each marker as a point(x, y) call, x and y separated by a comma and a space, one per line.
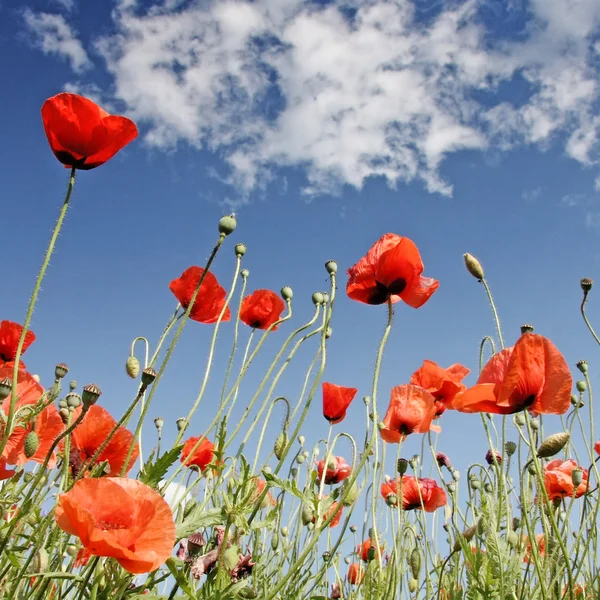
point(336, 400)
point(261, 309)
point(442, 384)
point(210, 299)
point(200, 455)
point(92, 432)
point(392, 269)
point(120, 518)
point(10, 333)
point(411, 410)
point(81, 134)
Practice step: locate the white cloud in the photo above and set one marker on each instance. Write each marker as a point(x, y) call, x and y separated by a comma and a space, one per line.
point(532, 195)
point(53, 35)
point(355, 88)
point(67, 5)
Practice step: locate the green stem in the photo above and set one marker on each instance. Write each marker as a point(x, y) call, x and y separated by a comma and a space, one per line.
point(30, 308)
point(585, 319)
point(495, 312)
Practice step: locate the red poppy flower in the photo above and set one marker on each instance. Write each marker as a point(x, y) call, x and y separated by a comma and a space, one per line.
point(540, 540)
point(121, 518)
point(48, 424)
point(411, 410)
point(442, 384)
point(261, 309)
point(337, 470)
point(10, 333)
point(392, 269)
point(4, 472)
point(210, 299)
point(597, 447)
point(92, 432)
point(363, 550)
point(531, 375)
point(81, 134)
point(268, 499)
point(336, 400)
point(558, 479)
point(82, 558)
point(355, 574)
point(416, 493)
point(336, 509)
point(201, 456)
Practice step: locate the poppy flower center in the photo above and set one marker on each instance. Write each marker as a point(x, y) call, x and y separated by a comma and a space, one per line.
point(383, 291)
point(110, 525)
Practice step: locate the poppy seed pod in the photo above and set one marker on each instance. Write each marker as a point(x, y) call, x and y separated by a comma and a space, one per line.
point(62, 403)
point(73, 400)
point(331, 266)
point(581, 386)
point(577, 477)
point(402, 466)
point(60, 370)
point(520, 419)
point(526, 328)
point(473, 266)
point(317, 298)
point(227, 224)
point(72, 385)
point(90, 395)
point(5, 388)
point(240, 249)
point(31, 444)
point(553, 444)
point(181, 423)
point(64, 415)
point(148, 376)
point(586, 284)
point(287, 293)
point(582, 365)
point(535, 424)
point(244, 273)
point(132, 367)
point(158, 423)
point(510, 448)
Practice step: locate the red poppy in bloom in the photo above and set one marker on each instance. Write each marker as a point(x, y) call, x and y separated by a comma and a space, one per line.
point(411, 410)
point(81, 134)
point(355, 574)
point(416, 494)
point(336, 508)
point(336, 400)
point(442, 384)
point(210, 299)
point(392, 269)
point(48, 424)
point(200, 455)
point(10, 333)
point(121, 518)
point(532, 375)
point(597, 447)
point(268, 499)
point(82, 558)
point(558, 479)
point(337, 470)
point(4, 472)
point(363, 550)
point(261, 309)
point(91, 433)
point(540, 540)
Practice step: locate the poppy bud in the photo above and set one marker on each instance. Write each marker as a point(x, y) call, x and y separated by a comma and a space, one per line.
point(581, 386)
point(451, 487)
point(231, 557)
point(491, 455)
point(371, 554)
point(60, 370)
point(240, 249)
point(287, 293)
point(284, 532)
point(158, 423)
point(274, 542)
point(512, 539)
point(244, 273)
point(347, 560)
point(473, 266)
point(39, 564)
point(531, 468)
point(526, 328)
point(132, 367)
point(307, 514)
point(248, 593)
point(488, 488)
point(300, 459)
point(90, 395)
point(582, 365)
point(5, 388)
point(391, 499)
point(72, 550)
point(181, 424)
point(280, 444)
point(577, 477)
point(510, 448)
point(331, 267)
point(148, 376)
point(475, 483)
point(310, 526)
point(519, 419)
point(535, 424)
point(305, 454)
point(62, 403)
point(31, 444)
point(414, 562)
point(64, 415)
point(553, 444)
point(72, 385)
point(402, 466)
point(586, 284)
point(227, 224)
point(413, 585)
point(301, 440)
point(349, 493)
point(455, 474)
point(73, 400)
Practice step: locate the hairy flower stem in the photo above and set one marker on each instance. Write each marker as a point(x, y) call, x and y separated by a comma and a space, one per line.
point(32, 302)
point(494, 312)
point(585, 319)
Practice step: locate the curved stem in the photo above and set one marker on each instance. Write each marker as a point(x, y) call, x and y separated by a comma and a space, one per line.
point(495, 312)
point(585, 319)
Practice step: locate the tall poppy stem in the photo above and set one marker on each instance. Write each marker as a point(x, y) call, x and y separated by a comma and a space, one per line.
point(495, 312)
point(585, 319)
point(30, 308)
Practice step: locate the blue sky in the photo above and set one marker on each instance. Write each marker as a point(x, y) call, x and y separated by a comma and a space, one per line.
point(465, 127)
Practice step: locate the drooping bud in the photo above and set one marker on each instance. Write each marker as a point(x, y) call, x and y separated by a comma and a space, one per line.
point(581, 386)
point(90, 395)
point(227, 224)
point(132, 367)
point(331, 267)
point(280, 444)
point(582, 365)
point(73, 400)
point(5, 388)
point(325, 298)
point(349, 493)
point(577, 477)
point(526, 328)
point(60, 370)
point(473, 266)
point(301, 440)
point(475, 483)
point(287, 293)
point(553, 444)
point(510, 448)
point(451, 487)
point(516, 523)
point(240, 249)
point(586, 284)
point(31, 444)
point(181, 424)
point(414, 562)
point(148, 376)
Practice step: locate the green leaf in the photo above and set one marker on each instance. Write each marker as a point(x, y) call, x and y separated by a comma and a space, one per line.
point(198, 518)
point(288, 486)
point(153, 474)
point(180, 578)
